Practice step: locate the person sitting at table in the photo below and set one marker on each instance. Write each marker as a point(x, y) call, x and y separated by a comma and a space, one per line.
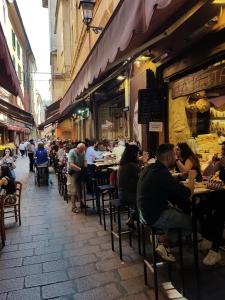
point(118, 150)
point(162, 201)
point(128, 177)
point(186, 160)
point(217, 164)
point(7, 182)
point(211, 213)
point(91, 155)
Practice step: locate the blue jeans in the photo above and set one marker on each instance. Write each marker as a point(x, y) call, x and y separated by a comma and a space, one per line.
point(172, 219)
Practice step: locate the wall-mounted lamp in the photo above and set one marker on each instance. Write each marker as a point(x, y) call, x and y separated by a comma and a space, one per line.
point(87, 9)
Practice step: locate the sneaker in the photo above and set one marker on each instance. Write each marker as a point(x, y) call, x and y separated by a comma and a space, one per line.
point(204, 245)
point(164, 252)
point(212, 258)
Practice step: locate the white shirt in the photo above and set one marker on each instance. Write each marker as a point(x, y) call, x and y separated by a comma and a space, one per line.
point(92, 155)
point(118, 151)
point(22, 147)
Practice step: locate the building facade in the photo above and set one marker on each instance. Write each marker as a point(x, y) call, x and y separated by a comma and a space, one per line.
point(24, 64)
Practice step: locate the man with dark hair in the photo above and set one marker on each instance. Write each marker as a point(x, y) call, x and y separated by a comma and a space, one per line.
point(162, 201)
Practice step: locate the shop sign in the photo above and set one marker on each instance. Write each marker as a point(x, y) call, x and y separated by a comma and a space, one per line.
point(212, 77)
point(149, 107)
point(155, 126)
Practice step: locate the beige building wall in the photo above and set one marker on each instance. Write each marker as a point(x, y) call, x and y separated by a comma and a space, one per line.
point(73, 42)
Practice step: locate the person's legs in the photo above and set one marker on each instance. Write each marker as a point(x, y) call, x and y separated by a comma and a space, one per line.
point(72, 191)
point(31, 158)
point(172, 218)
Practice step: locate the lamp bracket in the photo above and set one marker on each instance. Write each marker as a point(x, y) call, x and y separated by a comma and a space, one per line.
point(95, 29)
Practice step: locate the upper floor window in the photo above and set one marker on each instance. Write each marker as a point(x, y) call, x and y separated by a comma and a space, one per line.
point(4, 14)
point(13, 39)
point(18, 49)
point(19, 73)
point(14, 62)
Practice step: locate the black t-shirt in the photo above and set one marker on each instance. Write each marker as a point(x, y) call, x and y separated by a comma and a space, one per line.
point(10, 188)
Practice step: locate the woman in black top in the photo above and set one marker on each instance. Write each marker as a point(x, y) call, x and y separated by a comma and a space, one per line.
point(128, 177)
point(7, 182)
point(186, 161)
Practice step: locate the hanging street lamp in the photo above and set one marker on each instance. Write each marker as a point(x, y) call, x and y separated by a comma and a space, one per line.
point(87, 11)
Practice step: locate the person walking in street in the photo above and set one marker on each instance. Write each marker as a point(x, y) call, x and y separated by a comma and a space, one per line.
point(30, 152)
point(76, 162)
point(26, 144)
point(22, 149)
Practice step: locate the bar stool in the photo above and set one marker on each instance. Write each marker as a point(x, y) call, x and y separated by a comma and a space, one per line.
point(118, 208)
point(101, 192)
point(153, 266)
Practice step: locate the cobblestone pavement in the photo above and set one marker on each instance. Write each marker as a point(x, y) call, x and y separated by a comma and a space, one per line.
point(57, 254)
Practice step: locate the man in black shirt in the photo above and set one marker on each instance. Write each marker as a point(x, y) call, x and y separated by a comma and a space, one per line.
point(163, 202)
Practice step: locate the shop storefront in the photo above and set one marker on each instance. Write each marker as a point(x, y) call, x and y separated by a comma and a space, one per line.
point(197, 110)
point(111, 119)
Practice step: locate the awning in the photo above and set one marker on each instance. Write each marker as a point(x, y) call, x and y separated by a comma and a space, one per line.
point(131, 25)
point(52, 109)
point(18, 128)
point(16, 113)
point(8, 76)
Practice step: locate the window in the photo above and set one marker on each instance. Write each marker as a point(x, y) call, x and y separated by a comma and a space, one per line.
point(14, 62)
point(19, 73)
point(18, 49)
point(4, 13)
point(13, 40)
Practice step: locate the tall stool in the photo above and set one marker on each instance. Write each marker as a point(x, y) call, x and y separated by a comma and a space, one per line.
point(102, 190)
point(117, 208)
point(153, 266)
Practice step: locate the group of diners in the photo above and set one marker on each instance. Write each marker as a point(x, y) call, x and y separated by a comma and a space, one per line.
point(155, 195)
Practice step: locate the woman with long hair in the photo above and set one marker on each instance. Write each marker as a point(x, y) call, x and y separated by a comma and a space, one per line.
point(187, 160)
point(128, 177)
point(9, 160)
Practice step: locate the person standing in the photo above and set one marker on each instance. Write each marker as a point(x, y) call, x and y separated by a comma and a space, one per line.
point(22, 148)
point(30, 152)
point(76, 161)
point(26, 144)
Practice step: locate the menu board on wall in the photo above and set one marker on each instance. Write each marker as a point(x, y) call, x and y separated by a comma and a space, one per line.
point(202, 126)
point(149, 108)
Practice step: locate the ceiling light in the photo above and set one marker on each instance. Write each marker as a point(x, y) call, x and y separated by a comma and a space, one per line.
point(120, 77)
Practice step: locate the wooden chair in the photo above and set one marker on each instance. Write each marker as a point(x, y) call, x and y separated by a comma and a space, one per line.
point(13, 210)
point(2, 223)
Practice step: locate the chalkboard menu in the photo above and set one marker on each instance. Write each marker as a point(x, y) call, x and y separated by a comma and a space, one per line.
point(202, 126)
point(149, 108)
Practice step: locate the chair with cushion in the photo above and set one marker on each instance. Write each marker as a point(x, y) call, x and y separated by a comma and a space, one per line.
point(14, 209)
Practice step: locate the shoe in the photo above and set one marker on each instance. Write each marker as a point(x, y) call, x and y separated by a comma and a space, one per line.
point(75, 210)
point(204, 245)
point(164, 252)
point(212, 258)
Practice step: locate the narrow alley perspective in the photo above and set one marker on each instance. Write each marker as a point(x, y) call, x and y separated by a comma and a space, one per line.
point(112, 149)
point(58, 254)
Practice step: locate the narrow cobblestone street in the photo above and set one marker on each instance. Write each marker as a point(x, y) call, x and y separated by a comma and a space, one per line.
point(57, 254)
